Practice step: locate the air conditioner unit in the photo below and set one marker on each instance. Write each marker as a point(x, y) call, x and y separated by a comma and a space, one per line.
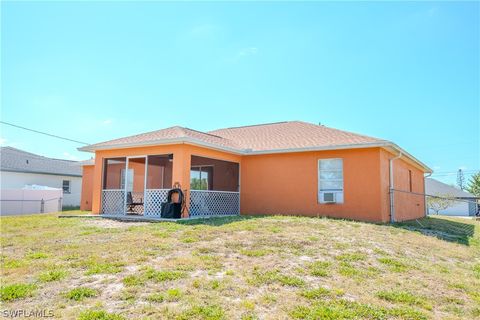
point(328, 197)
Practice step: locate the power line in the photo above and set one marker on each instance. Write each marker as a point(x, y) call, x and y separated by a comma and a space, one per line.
point(44, 133)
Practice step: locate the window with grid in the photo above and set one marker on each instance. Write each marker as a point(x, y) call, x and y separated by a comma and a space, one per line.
point(66, 186)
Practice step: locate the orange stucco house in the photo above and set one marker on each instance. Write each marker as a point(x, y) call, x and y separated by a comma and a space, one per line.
point(291, 168)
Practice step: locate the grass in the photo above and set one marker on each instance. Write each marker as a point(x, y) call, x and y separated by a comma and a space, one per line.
point(275, 267)
point(16, 291)
point(319, 268)
point(78, 294)
point(405, 297)
point(52, 275)
point(99, 315)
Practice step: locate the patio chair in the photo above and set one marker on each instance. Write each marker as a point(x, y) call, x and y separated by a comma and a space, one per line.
point(132, 205)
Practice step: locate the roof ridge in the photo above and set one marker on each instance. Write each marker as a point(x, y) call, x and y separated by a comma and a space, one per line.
point(205, 132)
point(252, 125)
point(23, 152)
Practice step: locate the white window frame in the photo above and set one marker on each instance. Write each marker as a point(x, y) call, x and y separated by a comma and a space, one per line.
point(69, 186)
point(339, 193)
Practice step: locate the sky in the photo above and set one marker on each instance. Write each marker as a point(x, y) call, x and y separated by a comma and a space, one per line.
point(92, 71)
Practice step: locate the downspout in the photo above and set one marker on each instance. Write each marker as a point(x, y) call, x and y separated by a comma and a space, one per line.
point(392, 200)
point(425, 192)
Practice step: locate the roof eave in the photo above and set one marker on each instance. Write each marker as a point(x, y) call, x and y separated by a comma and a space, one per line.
point(187, 140)
point(182, 140)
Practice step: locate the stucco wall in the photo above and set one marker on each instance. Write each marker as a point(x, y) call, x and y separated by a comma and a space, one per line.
point(288, 184)
point(408, 206)
point(87, 184)
point(17, 180)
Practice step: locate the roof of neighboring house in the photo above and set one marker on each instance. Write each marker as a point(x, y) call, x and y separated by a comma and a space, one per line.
point(288, 136)
point(435, 187)
point(16, 160)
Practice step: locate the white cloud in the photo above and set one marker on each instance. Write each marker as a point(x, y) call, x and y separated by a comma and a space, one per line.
point(3, 141)
point(69, 156)
point(463, 167)
point(107, 121)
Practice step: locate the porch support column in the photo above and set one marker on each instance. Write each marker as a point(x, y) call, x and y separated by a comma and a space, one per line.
point(97, 185)
point(181, 172)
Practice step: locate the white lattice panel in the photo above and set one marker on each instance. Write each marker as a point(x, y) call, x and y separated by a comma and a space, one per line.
point(137, 197)
point(214, 203)
point(113, 202)
point(153, 201)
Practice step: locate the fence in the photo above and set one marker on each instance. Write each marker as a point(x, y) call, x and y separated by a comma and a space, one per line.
point(30, 201)
point(409, 205)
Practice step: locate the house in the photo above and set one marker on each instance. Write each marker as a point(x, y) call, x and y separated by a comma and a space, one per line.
point(19, 168)
point(466, 204)
point(292, 168)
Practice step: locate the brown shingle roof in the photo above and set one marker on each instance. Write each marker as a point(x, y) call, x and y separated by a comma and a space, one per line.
point(164, 135)
point(291, 135)
point(264, 137)
point(287, 136)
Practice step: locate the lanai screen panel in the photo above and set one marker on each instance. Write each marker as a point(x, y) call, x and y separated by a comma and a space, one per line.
point(213, 174)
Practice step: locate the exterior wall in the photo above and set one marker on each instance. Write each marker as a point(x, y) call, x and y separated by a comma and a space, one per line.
point(408, 206)
point(17, 180)
point(182, 154)
point(87, 184)
point(287, 183)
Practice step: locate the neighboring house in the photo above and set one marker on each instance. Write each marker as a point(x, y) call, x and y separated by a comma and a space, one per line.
point(467, 204)
point(292, 168)
point(20, 168)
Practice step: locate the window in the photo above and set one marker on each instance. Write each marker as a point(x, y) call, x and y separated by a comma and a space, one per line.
point(201, 177)
point(66, 186)
point(410, 180)
point(330, 180)
point(129, 179)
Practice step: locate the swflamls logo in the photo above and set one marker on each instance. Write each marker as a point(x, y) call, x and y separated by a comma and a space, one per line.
point(25, 313)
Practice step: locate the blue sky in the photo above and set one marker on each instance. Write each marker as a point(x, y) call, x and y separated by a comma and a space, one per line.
point(93, 71)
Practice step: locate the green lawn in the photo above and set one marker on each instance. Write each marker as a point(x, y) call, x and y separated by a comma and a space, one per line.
point(241, 268)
